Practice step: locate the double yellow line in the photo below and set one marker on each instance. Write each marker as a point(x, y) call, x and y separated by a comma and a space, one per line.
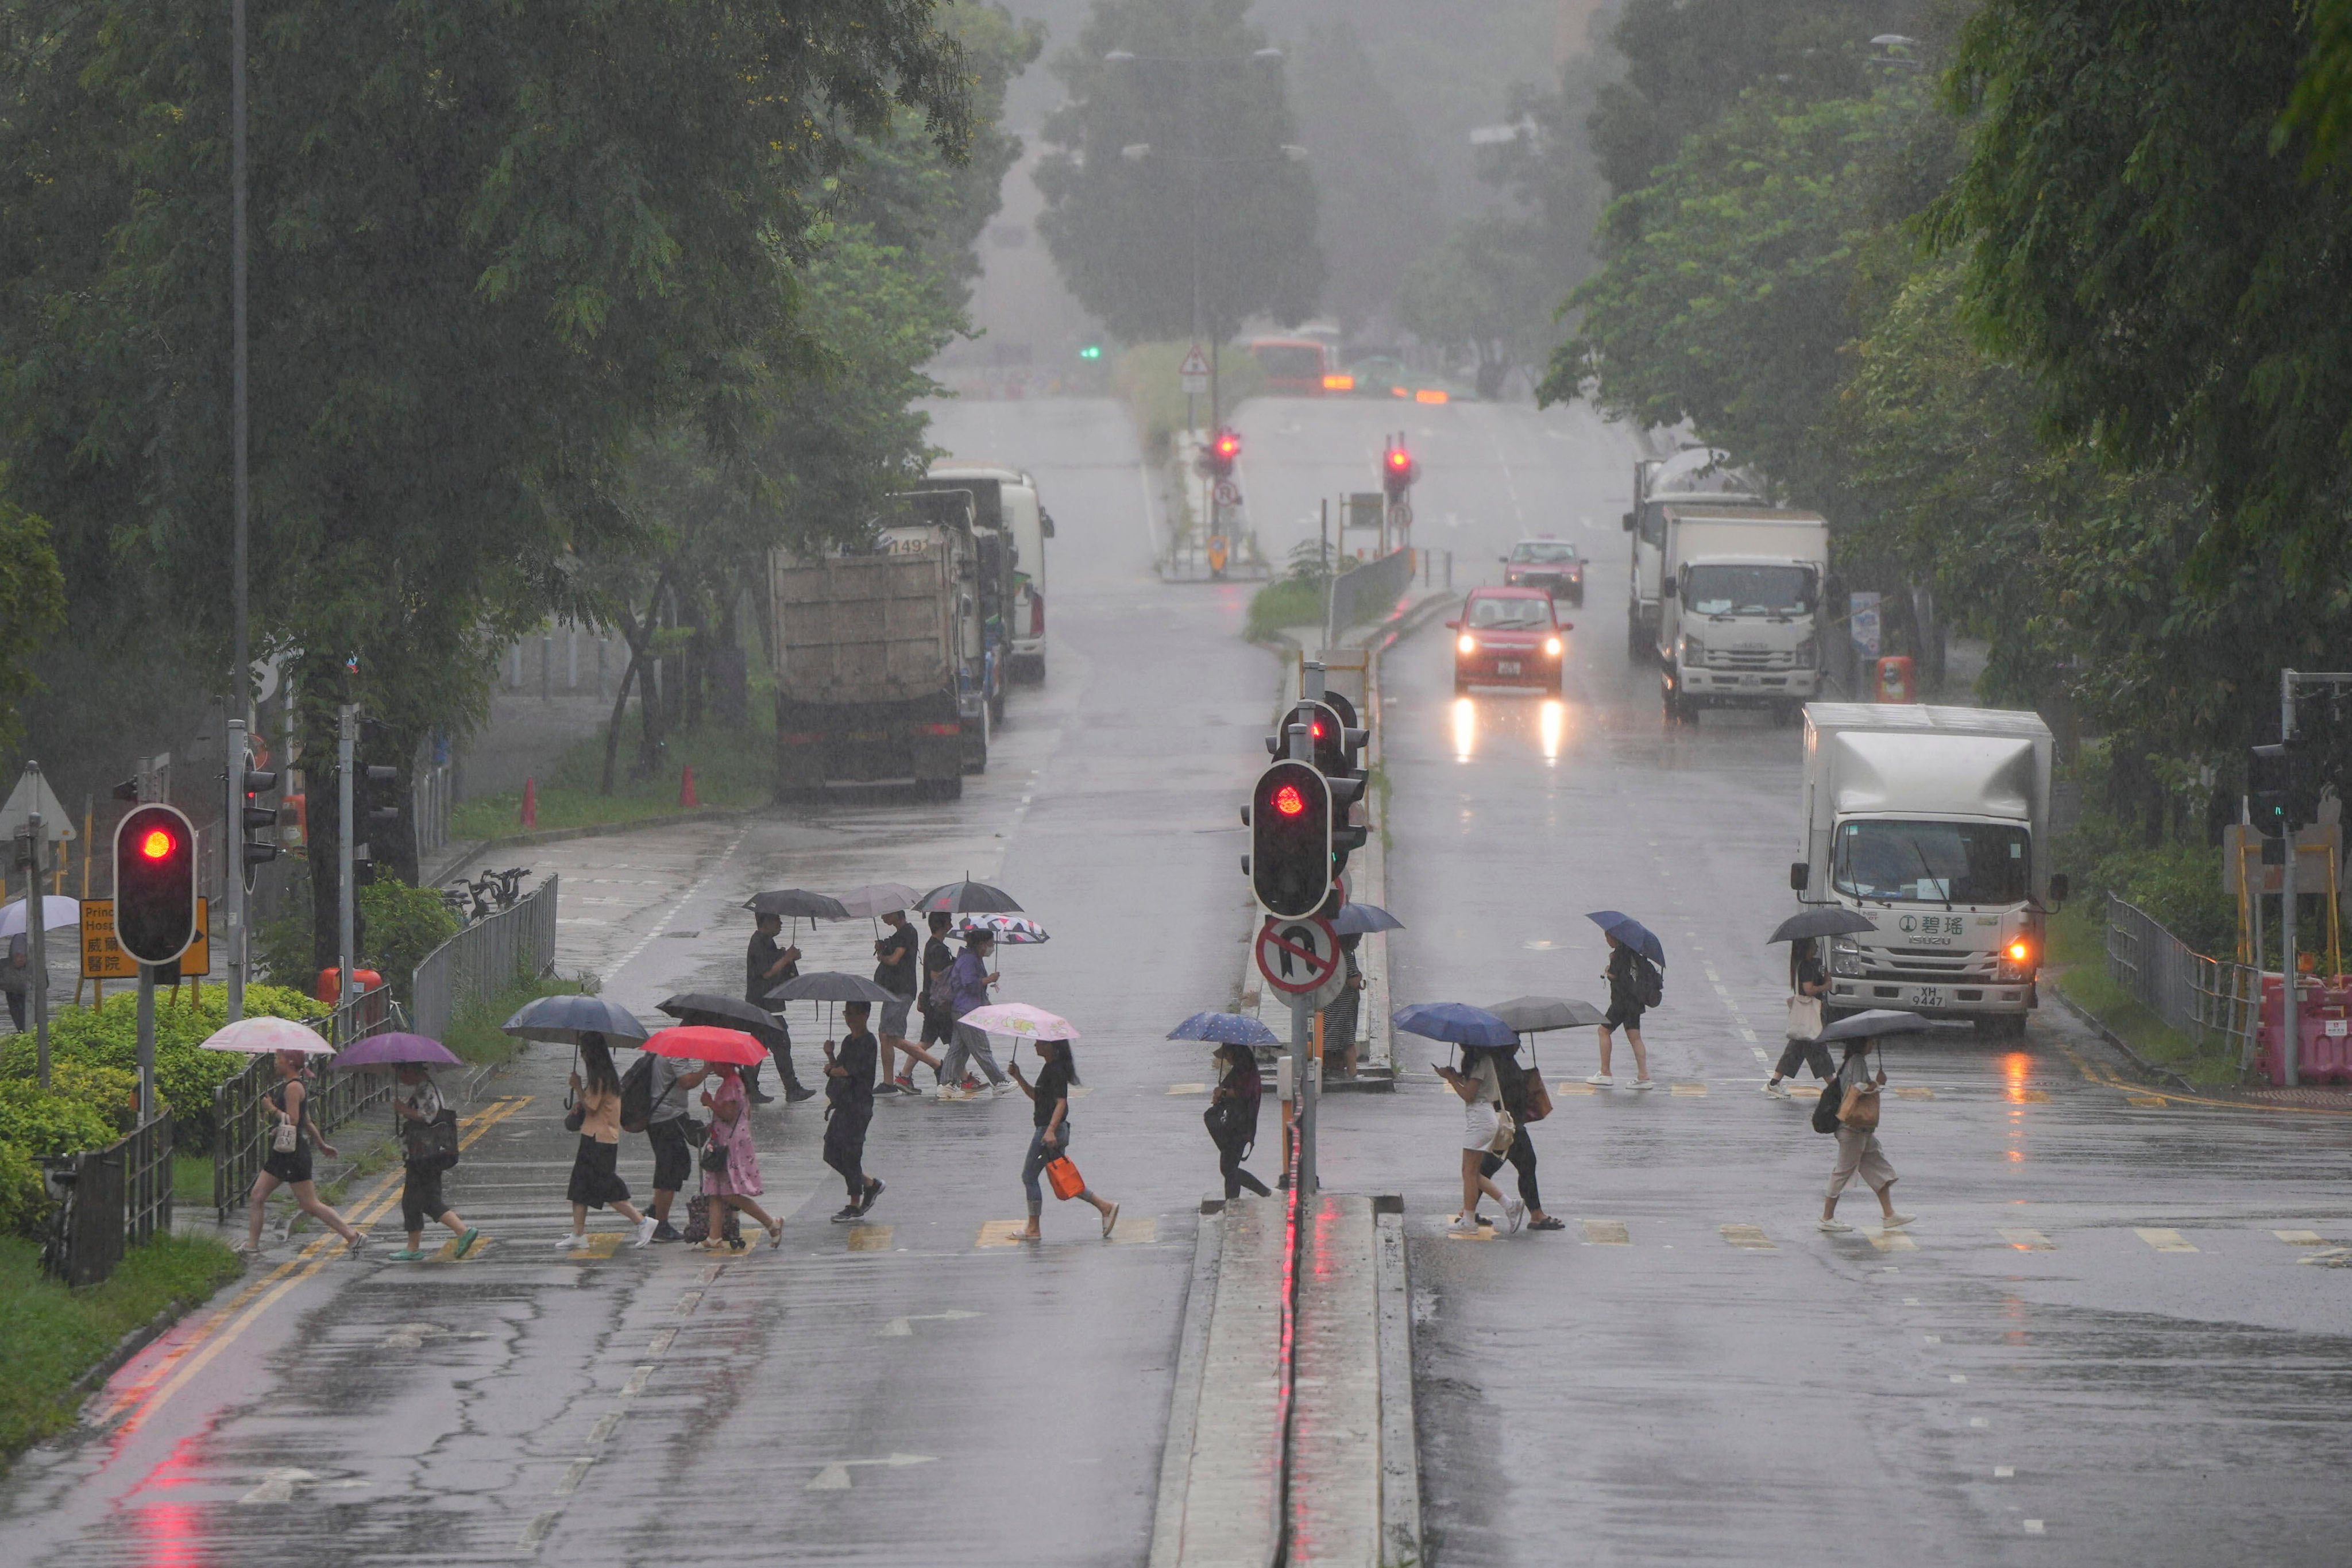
point(172, 1371)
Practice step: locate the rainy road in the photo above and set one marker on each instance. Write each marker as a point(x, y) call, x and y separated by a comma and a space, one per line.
point(2095, 1349)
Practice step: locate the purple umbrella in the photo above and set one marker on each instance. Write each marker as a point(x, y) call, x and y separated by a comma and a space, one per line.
point(395, 1051)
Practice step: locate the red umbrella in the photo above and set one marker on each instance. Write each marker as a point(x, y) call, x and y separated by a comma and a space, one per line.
point(703, 1043)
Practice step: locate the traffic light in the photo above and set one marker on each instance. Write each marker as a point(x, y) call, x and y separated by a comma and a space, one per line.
point(1218, 456)
point(1398, 470)
point(258, 819)
point(1335, 744)
point(154, 884)
point(1090, 351)
point(376, 807)
point(2281, 788)
point(1289, 819)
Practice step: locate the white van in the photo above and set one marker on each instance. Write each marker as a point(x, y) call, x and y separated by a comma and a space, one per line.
point(1007, 499)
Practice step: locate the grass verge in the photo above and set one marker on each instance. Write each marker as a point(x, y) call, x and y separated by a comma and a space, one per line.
point(474, 1033)
point(734, 767)
point(2078, 956)
point(53, 1335)
point(1287, 602)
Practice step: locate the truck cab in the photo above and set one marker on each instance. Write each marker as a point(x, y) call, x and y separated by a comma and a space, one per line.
point(1006, 501)
point(1934, 824)
point(1740, 608)
point(1693, 474)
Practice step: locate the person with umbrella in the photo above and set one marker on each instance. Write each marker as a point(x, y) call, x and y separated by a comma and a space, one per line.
point(1049, 1138)
point(731, 1165)
point(767, 965)
point(1808, 982)
point(1231, 1116)
point(896, 957)
point(595, 1181)
point(1479, 1084)
point(292, 1135)
point(937, 1000)
point(1858, 1091)
point(849, 1107)
point(968, 982)
point(1513, 1079)
point(1626, 1006)
point(420, 1180)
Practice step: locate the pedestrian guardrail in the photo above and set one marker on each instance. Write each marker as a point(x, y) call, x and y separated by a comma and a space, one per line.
point(2215, 1002)
point(241, 1130)
point(485, 959)
point(108, 1200)
point(1364, 592)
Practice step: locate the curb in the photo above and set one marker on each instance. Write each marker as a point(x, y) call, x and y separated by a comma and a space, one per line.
point(1400, 1442)
point(130, 1345)
point(1184, 1402)
point(2099, 1026)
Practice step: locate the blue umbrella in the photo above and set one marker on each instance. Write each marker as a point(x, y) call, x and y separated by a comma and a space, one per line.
point(1225, 1029)
point(565, 1019)
point(1457, 1022)
point(1361, 919)
point(1631, 933)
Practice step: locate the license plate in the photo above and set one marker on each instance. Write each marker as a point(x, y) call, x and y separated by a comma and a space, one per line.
point(1926, 996)
point(2337, 1028)
point(1506, 667)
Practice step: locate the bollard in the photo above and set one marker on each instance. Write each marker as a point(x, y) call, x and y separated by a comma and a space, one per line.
point(530, 803)
point(685, 788)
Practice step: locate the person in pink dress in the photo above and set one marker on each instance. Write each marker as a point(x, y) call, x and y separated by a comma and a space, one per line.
point(730, 1166)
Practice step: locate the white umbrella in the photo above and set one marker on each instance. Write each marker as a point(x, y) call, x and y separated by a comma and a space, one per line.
point(265, 1036)
point(56, 911)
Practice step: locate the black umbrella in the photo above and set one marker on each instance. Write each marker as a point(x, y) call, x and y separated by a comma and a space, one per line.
point(1532, 1015)
point(1831, 920)
point(1871, 1024)
point(830, 985)
point(565, 1019)
point(749, 1014)
point(798, 904)
point(1362, 919)
point(968, 898)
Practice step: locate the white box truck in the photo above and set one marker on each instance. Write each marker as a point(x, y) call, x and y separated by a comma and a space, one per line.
point(1693, 474)
point(1007, 499)
point(1741, 610)
point(1934, 823)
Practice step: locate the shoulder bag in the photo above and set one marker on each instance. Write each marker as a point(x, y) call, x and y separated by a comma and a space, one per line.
point(1860, 1108)
point(1535, 1099)
point(1804, 1016)
point(1068, 1183)
point(1505, 1130)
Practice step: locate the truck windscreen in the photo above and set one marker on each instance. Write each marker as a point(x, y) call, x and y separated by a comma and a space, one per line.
point(1932, 862)
point(1750, 591)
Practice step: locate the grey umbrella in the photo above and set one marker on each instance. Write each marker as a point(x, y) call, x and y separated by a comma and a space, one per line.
point(877, 898)
point(1362, 919)
point(968, 898)
point(749, 1014)
point(564, 1019)
point(797, 903)
point(1532, 1015)
point(1869, 1025)
point(1834, 920)
point(830, 985)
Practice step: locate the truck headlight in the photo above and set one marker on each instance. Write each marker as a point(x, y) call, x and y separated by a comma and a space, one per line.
point(1845, 957)
point(2016, 964)
point(1808, 652)
point(1465, 644)
point(1694, 653)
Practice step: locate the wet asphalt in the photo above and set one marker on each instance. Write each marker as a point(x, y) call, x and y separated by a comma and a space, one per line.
point(2045, 1372)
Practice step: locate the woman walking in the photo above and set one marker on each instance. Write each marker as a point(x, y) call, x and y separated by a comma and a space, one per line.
point(288, 1165)
point(1625, 1010)
point(1481, 1090)
point(1049, 1136)
point(1808, 982)
point(1513, 1078)
point(595, 1168)
point(420, 1184)
point(730, 1166)
point(1857, 1147)
point(1232, 1117)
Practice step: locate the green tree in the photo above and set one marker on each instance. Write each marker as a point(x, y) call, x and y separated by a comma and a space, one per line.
point(32, 606)
point(1169, 165)
point(1486, 290)
point(1375, 198)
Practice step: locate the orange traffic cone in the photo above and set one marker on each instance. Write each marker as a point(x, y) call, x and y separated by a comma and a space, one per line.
point(685, 789)
point(530, 803)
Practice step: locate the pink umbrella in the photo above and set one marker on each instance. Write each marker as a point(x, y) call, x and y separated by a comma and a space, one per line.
point(1021, 1021)
point(265, 1036)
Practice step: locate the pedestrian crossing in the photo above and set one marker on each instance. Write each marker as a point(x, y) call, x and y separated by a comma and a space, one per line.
point(1747, 1236)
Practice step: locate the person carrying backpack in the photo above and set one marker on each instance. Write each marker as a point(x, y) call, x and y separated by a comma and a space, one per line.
point(1513, 1079)
point(1858, 1153)
point(1634, 987)
point(422, 1168)
point(652, 1102)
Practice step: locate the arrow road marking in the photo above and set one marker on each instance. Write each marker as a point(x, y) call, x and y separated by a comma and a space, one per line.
point(902, 1327)
point(277, 1486)
point(834, 1477)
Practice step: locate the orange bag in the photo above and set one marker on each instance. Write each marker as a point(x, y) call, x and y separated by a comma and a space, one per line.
point(1068, 1183)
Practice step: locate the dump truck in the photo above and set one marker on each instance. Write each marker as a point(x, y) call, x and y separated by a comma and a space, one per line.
point(1693, 474)
point(1005, 499)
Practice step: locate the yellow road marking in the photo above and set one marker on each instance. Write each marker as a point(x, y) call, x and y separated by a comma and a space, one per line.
point(1893, 1241)
point(1685, 1089)
point(2027, 1240)
point(2300, 1237)
point(1607, 1233)
point(1569, 1089)
point(870, 1238)
point(1914, 1094)
point(2149, 1102)
point(2163, 1240)
point(1141, 1230)
point(2031, 1096)
point(1000, 1233)
point(1485, 1233)
point(1750, 1236)
point(601, 1246)
point(1188, 1089)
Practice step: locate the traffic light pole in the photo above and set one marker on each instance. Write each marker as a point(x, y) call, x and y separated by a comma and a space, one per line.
point(1305, 1075)
point(233, 867)
point(2290, 1036)
point(347, 734)
point(146, 1043)
point(36, 937)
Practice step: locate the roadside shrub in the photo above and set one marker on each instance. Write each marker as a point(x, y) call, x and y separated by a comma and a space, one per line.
point(112, 1092)
point(42, 1121)
point(403, 924)
point(23, 1201)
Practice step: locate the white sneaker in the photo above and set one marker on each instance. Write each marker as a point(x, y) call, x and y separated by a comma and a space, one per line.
point(996, 1091)
point(646, 1230)
point(1463, 1224)
point(1644, 1083)
point(571, 1243)
point(1776, 1090)
point(1895, 1220)
point(1835, 1226)
point(1515, 1214)
point(1603, 1079)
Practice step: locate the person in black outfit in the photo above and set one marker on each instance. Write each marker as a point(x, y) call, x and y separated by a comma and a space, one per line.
point(1232, 1117)
point(939, 1011)
point(1049, 1135)
point(896, 968)
point(849, 1106)
point(1806, 978)
point(1626, 1009)
point(1514, 1079)
point(767, 965)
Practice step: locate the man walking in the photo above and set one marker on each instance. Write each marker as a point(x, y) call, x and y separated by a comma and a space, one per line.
point(967, 982)
point(1626, 1009)
point(767, 965)
point(849, 1106)
point(938, 1001)
point(895, 959)
point(665, 1132)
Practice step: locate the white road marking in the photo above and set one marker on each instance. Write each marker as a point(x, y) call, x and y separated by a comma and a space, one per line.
point(903, 1328)
point(277, 1486)
point(704, 881)
point(834, 1477)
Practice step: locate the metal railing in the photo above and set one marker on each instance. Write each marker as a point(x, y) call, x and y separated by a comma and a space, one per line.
point(240, 1127)
point(2216, 1003)
point(485, 959)
point(1372, 589)
point(112, 1199)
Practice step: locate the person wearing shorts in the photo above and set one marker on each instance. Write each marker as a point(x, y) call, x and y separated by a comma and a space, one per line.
point(1625, 1010)
point(896, 965)
point(939, 1011)
point(420, 1185)
point(1481, 1090)
point(666, 1132)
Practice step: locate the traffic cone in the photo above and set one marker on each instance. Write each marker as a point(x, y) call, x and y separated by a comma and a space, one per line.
point(685, 788)
point(530, 803)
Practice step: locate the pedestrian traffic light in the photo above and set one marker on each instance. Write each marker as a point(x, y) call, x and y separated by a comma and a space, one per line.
point(1289, 819)
point(1398, 470)
point(377, 809)
point(1090, 351)
point(2281, 788)
point(1218, 456)
point(154, 883)
point(256, 817)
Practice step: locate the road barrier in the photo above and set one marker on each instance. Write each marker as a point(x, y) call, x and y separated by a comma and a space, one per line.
point(2216, 1003)
point(111, 1198)
point(485, 959)
point(1364, 592)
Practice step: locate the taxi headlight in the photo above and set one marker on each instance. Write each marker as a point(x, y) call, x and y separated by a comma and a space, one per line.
point(1466, 643)
point(1551, 647)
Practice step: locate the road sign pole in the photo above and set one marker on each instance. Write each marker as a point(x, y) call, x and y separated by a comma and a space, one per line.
point(347, 732)
point(2290, 1043)
point(146, 1043)
point(37, 940)
point(1304, 1075)
point(233, 869)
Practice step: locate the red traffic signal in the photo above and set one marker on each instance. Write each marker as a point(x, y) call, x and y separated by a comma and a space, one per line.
point(154, 884)
point(1398, 470)
point(1218, 456)
point(1289, 819)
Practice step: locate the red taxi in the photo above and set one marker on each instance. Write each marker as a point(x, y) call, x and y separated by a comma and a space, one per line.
point(1506, 637)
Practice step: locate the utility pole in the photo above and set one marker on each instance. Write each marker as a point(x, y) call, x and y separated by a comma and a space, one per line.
point(347, 734)
point(35, 938)
point(240, 671)
point(232, 866)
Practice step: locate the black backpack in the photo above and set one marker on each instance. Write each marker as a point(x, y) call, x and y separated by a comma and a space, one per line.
point(1651, 983)
point(1825, 1110)
point(637, 1094)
